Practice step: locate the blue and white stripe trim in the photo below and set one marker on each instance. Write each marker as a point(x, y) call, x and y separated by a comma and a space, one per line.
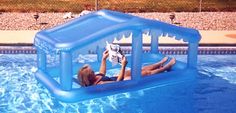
point(164, 50)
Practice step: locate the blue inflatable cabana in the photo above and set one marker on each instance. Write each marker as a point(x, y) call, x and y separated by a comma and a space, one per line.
point(89, 33)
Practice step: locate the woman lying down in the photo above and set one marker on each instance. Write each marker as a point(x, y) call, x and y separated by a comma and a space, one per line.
point(87, 77)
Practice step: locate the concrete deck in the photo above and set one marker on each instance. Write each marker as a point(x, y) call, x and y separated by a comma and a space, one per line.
point(208, 37)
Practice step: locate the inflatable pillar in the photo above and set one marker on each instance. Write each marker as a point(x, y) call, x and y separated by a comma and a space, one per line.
point(66, 70)
point(136, 61)
point(154, 40)
point(192, 55)
point(41, 59)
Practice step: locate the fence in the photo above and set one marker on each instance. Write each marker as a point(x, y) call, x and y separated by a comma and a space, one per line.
point(119, 5)
point(166, 5)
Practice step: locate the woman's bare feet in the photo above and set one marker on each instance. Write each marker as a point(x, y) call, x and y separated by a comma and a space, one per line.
point(164, 60)
point(170, 64)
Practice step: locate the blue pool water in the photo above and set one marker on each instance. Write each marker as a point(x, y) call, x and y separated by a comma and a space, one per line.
point(19, 91)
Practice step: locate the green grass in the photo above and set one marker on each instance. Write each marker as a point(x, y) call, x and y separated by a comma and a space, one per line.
point(120, 5)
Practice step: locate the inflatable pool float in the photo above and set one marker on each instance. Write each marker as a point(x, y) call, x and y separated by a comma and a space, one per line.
point(88, 35)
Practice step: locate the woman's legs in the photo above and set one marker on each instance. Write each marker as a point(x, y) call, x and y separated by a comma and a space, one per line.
point(156, 65)
point(152, 69)
point(164, 68)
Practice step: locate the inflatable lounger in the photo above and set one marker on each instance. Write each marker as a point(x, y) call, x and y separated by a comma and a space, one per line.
point(88, 35)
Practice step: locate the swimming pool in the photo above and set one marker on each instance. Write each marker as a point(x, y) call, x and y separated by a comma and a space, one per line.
point(19, 91)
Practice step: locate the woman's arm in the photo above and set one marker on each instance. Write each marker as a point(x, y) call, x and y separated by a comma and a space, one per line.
point(122, 70)
point(103, 63)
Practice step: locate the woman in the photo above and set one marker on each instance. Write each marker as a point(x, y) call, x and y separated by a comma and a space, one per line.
point(87, 77)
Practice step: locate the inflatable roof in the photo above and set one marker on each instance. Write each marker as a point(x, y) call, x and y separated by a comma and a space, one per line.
point(96, 26)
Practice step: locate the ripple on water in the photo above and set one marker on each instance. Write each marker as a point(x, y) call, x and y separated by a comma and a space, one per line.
point(226, 72)
point(20, 91)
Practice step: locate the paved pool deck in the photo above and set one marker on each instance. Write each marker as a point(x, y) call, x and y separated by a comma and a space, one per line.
point(208, 37)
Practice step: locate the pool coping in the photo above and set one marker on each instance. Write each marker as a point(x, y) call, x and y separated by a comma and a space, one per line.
point(208, 37)
point(212, 42)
